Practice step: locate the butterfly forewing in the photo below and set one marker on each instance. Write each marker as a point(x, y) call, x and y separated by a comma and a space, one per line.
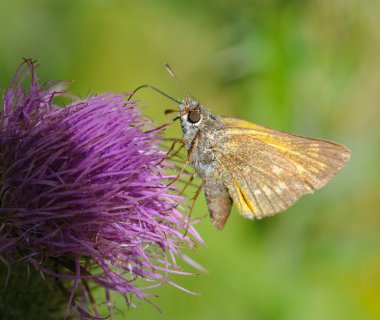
point(276, 168)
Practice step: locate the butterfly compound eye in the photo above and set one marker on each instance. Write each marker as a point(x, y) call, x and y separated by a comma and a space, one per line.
point(194, 116)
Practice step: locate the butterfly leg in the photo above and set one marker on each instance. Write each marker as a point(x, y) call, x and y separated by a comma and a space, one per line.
point(187, 183)
point(172, 147)
point(179, 174)
point(177, 151)
point(189, 158)
point(192, 206)
point(164, 125)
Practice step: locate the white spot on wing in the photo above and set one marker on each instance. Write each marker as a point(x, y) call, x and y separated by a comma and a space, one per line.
point(278, 189)
point(298, 186)
point(276, 170)
point(300, 168)
point(282, 185)
point(267, 191)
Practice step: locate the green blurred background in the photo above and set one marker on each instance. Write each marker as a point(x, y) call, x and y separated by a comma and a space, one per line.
point(308, 67)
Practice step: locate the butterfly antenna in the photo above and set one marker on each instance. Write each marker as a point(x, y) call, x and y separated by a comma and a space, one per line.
point(155, 89)
point(171, 72)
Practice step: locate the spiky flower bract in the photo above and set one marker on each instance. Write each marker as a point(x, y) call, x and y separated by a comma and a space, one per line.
point(83, 192)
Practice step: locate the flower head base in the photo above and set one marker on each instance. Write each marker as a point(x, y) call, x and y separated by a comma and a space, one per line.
point(82, 189)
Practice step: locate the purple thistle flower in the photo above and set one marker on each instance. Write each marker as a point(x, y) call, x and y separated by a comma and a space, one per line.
point(83, 193)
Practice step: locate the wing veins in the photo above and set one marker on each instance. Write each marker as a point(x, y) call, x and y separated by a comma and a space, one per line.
point(287, 185)
point(257, 184)
point(255, 134)
point(292, 162)
point(254, 196)
point(314, 161)
point(277, 177)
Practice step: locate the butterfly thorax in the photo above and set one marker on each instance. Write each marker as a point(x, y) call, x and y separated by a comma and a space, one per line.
point(200, 129)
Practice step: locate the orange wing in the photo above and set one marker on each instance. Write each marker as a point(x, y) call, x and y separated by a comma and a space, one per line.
point(266, 171)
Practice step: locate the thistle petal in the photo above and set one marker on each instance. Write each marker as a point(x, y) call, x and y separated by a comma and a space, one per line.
point(83, 192)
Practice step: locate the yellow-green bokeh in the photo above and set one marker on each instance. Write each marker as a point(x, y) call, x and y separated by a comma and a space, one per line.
point(308, 67)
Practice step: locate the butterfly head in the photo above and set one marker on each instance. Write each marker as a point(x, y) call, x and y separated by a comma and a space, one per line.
point(191, 113)
point(196, 119)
